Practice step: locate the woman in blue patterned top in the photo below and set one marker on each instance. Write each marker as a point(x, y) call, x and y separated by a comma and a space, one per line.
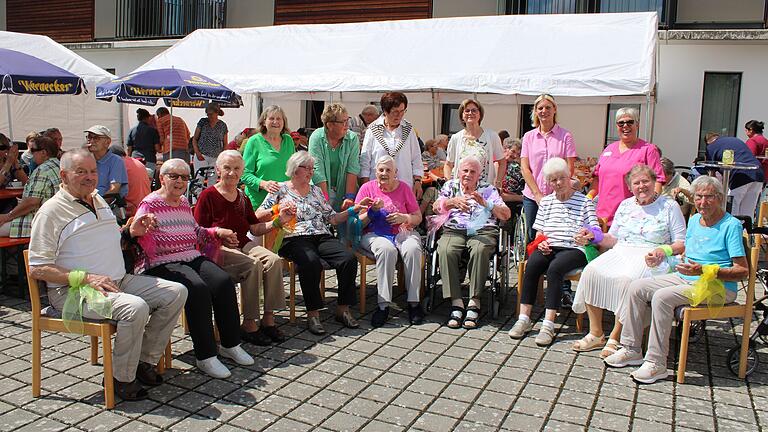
point(210, 139)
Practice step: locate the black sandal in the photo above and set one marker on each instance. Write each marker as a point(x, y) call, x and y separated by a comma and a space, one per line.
point(131, 391)
point(470, 323)
point(456, 315)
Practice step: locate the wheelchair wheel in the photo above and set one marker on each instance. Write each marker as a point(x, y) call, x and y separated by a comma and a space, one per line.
point(753, 360)
point(519, 240)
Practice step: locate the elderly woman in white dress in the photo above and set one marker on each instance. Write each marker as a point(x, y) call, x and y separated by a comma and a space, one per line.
point(392, 135)
point(646, 228)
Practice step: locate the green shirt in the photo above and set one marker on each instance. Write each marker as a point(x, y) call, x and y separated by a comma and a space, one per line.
point(348, 156)
point(263, 162)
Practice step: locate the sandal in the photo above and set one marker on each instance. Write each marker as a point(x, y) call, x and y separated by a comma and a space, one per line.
point(610, 347)
point(454, 319)
point(131, 391)
point(470, 319)
point(589, 342)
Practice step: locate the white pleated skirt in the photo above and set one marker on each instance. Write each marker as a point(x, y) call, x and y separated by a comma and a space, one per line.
point(605, 279)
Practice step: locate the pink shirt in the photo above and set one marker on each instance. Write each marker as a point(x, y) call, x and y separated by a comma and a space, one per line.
point(613, 166)
point(400, 200)
point(758, 144)
point(540, 148)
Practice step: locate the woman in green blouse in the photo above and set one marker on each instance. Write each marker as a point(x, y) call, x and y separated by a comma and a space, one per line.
point(336, 150)
point(266, 155)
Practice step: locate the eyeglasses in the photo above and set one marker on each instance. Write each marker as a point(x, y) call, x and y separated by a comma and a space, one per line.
point(338, 121)
point(702, 197)
point(174, 176)
point(398, 112)
point(623, 123)
point(308, 168)
point(92, 137)
point(471, 111)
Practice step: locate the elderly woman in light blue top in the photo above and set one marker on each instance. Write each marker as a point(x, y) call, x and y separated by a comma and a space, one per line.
point(336, 150)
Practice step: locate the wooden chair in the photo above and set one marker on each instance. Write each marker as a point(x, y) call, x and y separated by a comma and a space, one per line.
point(291, 266)
point(731, 310)
point(101, 329)
point(366, 259)
point(572, 276)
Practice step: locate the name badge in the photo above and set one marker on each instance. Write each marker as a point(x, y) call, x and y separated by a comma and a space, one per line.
point(606, 154)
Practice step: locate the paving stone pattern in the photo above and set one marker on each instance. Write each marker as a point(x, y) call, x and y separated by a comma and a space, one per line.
point(398, 377)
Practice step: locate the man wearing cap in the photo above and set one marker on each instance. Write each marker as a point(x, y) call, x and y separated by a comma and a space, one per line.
point(75, 241)
point(113, 178)
point(144, 141)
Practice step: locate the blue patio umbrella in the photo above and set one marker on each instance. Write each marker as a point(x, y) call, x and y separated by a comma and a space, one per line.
point(177, 87)
point(24, 74)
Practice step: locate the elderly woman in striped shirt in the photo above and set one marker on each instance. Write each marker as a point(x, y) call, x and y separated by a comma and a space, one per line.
point(561, 216)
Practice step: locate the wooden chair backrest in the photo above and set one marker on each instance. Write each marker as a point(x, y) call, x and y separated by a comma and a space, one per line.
point(34, 289)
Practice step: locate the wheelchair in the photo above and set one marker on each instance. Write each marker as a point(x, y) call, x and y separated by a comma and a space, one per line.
point(198, 182)
point(498, 276)
point(117, 204)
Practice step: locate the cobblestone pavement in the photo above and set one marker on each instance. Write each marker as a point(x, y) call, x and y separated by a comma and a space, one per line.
point(398, 377)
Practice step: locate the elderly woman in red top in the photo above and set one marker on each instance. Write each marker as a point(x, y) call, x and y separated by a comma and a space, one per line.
point(224, 205)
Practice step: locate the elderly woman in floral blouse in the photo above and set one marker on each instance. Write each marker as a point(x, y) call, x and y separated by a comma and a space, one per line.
point(308, 242)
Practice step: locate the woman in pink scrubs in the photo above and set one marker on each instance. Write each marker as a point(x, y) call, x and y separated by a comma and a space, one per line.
point(548, 140)
point(617, 159)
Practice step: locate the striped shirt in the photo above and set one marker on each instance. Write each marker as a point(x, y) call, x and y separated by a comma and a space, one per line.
point(560, 221)
point(43, 184)
point(180, 133)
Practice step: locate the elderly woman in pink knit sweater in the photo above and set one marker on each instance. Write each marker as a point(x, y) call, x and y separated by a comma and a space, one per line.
point(172, 252)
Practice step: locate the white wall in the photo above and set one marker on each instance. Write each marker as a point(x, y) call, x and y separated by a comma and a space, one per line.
point(681, 83)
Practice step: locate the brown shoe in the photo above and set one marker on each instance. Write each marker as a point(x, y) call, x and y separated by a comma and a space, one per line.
point(147, 374)
point(131, 391)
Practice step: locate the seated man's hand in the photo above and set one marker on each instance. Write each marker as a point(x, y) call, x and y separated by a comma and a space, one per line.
point(102, 284)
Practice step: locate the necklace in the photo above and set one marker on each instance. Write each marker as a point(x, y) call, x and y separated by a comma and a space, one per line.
point(653, 199)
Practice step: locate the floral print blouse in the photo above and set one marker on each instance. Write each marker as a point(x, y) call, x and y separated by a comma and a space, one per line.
point(312, 211)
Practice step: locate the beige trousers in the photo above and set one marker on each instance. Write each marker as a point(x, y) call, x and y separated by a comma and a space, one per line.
point(253, 267)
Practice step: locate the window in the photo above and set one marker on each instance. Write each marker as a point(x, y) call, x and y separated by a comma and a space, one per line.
point(611, 134)
point(525, 119)
point(634, 6)
point(312, 111)
point(167, 18)
point(720, 104)
point(528, 7)
point(451, 122)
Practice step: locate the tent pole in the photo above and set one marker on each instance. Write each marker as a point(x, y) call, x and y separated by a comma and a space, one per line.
point(648, 127)
point(250, 109)
point(170, 146)
point(10, 124)
point(434, 115)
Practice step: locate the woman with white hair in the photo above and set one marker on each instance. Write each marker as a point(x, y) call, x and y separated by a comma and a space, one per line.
point(389, 232)
point(266, 154)
point(172, 253)
point(472, 210)
point(616, 161)
point(561, 216)
point(252, 265)
point(308, 242)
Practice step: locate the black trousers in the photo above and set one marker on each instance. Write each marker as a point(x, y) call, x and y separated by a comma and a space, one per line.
point(210, 289)
point(556, 265)
point(306, 252)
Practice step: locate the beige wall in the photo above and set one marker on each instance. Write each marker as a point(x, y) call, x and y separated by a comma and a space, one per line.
point(250, 13)
point(104, 26)
point(690, 11)
point(457, 8)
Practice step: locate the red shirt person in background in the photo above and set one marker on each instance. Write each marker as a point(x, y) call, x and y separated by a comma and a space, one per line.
point(138, 180)
point(757, 142)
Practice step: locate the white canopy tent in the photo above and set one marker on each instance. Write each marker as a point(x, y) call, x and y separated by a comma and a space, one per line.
point(595, 56)
point(70, 113)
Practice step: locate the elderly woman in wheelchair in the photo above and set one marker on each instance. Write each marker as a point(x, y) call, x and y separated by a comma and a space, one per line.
point(714, 260)
point(561, 216)
point(470, 210)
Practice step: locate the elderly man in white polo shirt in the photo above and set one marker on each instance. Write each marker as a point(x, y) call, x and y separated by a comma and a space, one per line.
point(75, 236)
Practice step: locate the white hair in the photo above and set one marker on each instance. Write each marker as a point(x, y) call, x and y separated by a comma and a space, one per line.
point(704, 182)
point(555, 166)
point(471, 160)
point(386, 160)
point(67, 162)
point(174, 164)
point(630, 112)
point(370, 109)
point(234, 154)
point(296, 160)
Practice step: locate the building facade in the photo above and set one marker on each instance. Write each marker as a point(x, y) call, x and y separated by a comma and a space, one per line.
point(712, 58)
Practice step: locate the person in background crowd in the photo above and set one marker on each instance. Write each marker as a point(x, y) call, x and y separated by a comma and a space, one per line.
point(14, 169)
point(617, 159)
point(139, 184)
point(676, 187)
point(431, 155)
point(210, 139)
point(172, 252)
point(266, 155)
point(240, 139)
point(392, 135)
point(113, 178)
point(442, 146)
point(513, 182)
point(473, 208)
point(75, 237)
point(300, 139)
point(745, 185)
point(474, 140)
point(180, 148)
point(144, 142)
point(503, 134)
point(757, 142)
point(360, 123)
point(26, 157)
point(336, 151)
point(253, 266)
point(42, 185)
point(560, 217)
point(714, 237)
point(309, 242)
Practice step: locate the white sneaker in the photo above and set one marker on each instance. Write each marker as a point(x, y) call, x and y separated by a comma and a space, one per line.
point(649, 373)
point(520, 329)
point(214, 367)
point(238, 354)
point(624, 357)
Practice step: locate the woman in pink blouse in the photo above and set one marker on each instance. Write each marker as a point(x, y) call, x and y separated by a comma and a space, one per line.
point(757, 142)
point(546, 141)
point(616, 161)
